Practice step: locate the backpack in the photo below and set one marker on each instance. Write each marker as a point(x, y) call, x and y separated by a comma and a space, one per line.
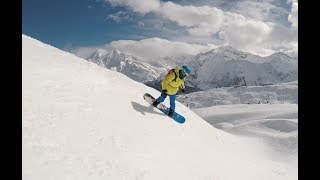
point(171, 71)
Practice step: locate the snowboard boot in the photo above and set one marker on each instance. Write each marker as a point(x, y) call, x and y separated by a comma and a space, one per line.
point(170, 112)
point(155, 103)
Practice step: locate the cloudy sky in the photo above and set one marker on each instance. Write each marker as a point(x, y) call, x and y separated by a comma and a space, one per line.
point(151, 28)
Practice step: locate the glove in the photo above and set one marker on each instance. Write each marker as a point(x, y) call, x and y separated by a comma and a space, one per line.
point(164, 92)
point(183, 90)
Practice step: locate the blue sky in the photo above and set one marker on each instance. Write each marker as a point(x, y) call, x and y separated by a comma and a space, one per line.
point(71, 23)
point(79, 23)
point(258, 26)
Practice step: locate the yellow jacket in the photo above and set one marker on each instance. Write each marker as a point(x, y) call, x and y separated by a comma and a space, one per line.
point(172, 82)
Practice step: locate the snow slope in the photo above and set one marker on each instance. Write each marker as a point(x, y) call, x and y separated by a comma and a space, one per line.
point(81, 121)
point(274, 124)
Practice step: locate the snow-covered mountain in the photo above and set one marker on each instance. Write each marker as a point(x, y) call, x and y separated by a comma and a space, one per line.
point(81, 121)
point(225, 67)
point(131, 66)
point(220, 67)
point(271, 94)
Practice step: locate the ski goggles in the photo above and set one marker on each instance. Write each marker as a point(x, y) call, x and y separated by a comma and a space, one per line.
point(183, 73)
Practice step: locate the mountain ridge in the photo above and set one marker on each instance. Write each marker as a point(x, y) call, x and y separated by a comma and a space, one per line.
point(220, 67)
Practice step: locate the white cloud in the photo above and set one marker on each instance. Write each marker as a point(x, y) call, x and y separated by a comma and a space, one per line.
point(157, 47)
point(234, 29)
point(151, 48)
point(118, 17)
point(254, 9)
point(84, 52)
point(137, 5)
point(243, 33)
point(190, 16)
point(206, 21)
point(293, 16)
point(293, 51)
point(140, 24)
point(148, 48)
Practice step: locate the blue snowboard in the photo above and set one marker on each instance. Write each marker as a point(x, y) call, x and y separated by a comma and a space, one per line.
point(177, 117)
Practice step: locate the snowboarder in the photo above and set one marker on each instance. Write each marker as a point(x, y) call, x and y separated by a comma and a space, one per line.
point(171, 84)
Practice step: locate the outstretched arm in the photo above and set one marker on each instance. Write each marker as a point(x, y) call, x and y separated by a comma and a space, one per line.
point(182, 86)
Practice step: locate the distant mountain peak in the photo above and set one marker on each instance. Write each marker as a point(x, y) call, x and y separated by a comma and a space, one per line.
point(115, 51)
point(134, 67)
point(280, 54)
point(224, 50)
